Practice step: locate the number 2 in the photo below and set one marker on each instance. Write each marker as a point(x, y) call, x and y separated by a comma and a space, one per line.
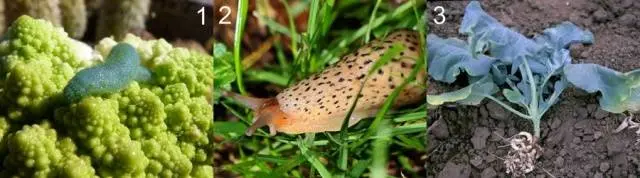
point(222, 21)
point(441, 14)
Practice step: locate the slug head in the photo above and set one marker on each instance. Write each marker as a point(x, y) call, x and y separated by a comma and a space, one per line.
point(74, 92)
point(267, 112)
point(124, 54)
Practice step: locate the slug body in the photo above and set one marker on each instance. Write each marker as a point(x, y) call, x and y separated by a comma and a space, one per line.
point(120, 68)
point(321, 102)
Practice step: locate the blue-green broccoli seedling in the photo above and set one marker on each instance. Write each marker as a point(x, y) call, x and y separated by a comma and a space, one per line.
point(120, 68)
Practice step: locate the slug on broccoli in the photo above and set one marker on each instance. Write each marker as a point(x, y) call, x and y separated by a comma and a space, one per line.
point(120, 68)
point(320, 102)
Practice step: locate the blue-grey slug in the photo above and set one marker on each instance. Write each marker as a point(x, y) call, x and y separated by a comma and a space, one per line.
point(120, 68)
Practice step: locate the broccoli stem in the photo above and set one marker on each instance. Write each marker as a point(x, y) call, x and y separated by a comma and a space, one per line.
point(536, 116)
point(536, 126)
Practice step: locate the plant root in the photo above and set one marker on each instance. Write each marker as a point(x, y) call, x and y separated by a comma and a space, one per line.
point(521, 159)
point(629, 123)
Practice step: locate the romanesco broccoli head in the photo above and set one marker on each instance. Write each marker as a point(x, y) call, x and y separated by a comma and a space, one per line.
point(165, 131)
point(36, 61)
point(160, 128)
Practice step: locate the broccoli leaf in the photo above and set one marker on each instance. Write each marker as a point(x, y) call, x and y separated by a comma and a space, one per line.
point(557, 41)
point(563, 35)
point(558, 88)
point(620, 91)
point(485, 31)
point(453, 56)
point(470, 95)
point(545, 53)
point(514, 96)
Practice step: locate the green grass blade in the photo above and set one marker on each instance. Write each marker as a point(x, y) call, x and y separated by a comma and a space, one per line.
point(406, 165)
point(350, 38)
point(230, 130)
point(287, 166)
point(272, 159)
point(243, 6)
point(410, 128)
point(413, 116)
point(312, 23)
point(373, 15)
point(379, 150)
point(275, 26)
point(284, 64)
point(328, 16)
point(411, 143)
point(358, 169)
point(313, 160)
point(292, 30)
point(267, 76)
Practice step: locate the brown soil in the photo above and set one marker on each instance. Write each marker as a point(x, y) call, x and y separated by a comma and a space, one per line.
point(577, 137)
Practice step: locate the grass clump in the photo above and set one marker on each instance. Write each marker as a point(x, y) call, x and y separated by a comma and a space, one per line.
point(363, 150)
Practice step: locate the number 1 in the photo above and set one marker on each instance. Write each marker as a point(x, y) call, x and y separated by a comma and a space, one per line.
point(201, 11)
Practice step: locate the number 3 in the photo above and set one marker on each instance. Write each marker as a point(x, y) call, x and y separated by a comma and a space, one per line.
point(222, 21)
point(441, 14)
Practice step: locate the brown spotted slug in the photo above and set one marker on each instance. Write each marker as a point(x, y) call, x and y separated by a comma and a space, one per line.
point(320, 103)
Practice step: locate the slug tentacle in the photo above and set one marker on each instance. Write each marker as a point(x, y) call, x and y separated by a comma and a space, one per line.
point(262, 119)
point(267, 112)
point(251, 102)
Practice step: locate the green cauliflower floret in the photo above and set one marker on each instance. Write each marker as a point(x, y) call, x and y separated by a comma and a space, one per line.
point(36, 62)
point(36, 151)
point(4, 127)
point(141, 111)
point(178, 145)
point(187, 117)
point(73, 165)
point(167, 158)
point(95, 125)
point(194, 69)
point(150, 52)
point(4, 132)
